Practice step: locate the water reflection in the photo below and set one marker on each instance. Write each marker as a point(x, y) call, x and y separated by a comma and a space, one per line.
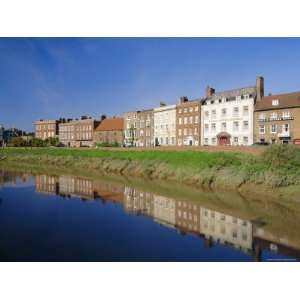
point(184, 216)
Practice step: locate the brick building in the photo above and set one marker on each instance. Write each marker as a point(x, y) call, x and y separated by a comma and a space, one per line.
point(78, 133)
point(188, 122)
point(110, 131)
point(277, 119)
point(44, 129)
point(145, 128)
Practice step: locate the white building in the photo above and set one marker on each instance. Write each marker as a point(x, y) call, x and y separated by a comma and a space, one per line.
point(227, 117)
point(226, 229)
point(165, 125)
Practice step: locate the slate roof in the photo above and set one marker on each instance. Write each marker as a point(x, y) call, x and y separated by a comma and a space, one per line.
point(285, 101)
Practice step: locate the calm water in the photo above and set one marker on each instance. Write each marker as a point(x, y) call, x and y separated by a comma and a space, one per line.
point(67, 218)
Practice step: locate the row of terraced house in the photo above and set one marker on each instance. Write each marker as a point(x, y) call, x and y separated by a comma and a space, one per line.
point(242, 116)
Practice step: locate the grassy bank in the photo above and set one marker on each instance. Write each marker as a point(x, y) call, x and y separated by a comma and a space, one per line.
point(277, 166)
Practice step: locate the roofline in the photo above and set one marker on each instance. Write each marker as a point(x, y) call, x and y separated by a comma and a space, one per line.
point(283, 94)
point(264, 109)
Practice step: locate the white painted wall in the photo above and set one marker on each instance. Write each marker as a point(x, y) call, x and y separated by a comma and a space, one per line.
point(208, 136)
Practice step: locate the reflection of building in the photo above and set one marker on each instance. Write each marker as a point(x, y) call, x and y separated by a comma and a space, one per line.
point(164, 210)
point(277, 119)
point(226, 229)
point(108, 190)
point(138, 202)
point(46, 128)
point(46, 184)
point(188, 216)
point(75, 186)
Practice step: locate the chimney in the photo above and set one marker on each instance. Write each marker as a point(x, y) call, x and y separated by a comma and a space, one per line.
point(162, 104)
point(209, 91)
point(184, 99)
point(103, 117)
point(259, 88)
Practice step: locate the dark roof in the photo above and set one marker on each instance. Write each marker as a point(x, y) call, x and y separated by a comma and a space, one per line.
point(233, 93)
point(111, 124)
point(285, 101)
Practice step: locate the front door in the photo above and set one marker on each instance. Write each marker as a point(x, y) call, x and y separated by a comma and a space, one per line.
point(223, 140)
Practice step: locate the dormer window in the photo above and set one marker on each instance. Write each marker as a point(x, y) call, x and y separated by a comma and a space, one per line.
point(275, 102)
point(212, 102)
point(246, 96)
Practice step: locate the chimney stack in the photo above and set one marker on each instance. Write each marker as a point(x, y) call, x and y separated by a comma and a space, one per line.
point(259, 88)
point(184, 99)
point(209, 91)
point(161, 104)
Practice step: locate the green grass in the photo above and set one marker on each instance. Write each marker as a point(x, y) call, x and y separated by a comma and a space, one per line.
point(277, 166)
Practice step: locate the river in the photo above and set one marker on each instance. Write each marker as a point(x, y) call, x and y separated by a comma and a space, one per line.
point(50, 217)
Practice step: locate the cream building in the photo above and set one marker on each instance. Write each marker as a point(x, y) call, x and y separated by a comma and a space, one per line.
point(164, 210)
point(165, 125)
point(226, 229)
point(227, 117)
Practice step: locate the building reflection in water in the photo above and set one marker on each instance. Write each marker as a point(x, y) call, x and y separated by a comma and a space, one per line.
point(185, 216)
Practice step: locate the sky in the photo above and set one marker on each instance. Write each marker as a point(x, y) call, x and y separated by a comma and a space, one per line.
point(49, 78)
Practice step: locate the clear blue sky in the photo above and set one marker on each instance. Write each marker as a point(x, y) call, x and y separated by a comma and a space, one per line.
point(66, 77)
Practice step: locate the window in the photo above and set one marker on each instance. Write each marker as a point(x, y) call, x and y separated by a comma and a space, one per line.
point(273, 128)
point(173, 141)
point(261, 129)
point(286, 115)
point(206, 114)
point(273, 116)
point(224, 112)
point(238, 98)
point(190, 131)
point(245, 110)
point(180, 110)
point(235, 111)
point(195, 130)
point(235, 126)
point(245, 140)
point(223, 125)
point(191, 109)
point(179, 131)
point(206, 141)
point(196, 108)
point(196, 119)
point(262, 117)
point(185, 120)
point(191, 120)
point(180, 121)
point(236, 139)
point(275, 102)
point(213, 114)
point(245, 125)
point(246, 96)
point(206, 127)
point(185, 131)
point(213, 127)
point(285, 128)
point(213, 141)
point(185, 110)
